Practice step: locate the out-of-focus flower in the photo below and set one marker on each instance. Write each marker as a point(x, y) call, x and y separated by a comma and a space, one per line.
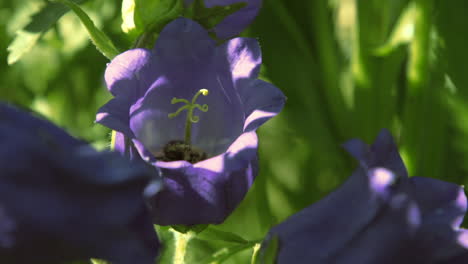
point(234, 23)
point(152, 87)
point(379, 216)
point(61, 201)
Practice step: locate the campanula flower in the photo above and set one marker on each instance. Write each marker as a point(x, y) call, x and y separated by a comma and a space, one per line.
point(191, 108)
point(61, 201)
point(234, 23)
point(379, 215)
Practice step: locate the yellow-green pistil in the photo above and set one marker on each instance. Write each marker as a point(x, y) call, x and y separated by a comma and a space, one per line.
point(189, 106)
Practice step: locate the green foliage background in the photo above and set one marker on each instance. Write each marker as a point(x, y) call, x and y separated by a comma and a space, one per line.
point(348, 68)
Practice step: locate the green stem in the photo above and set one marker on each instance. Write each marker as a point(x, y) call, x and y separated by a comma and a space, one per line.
point(256, 250)
point(181, 242)
point(113, 137)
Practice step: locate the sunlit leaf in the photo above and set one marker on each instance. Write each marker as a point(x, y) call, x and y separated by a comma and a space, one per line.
point(216, 234)
point(402, 33)
point(27, 37)
point(99, 38)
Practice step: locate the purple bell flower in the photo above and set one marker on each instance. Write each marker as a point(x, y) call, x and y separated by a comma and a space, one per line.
point(152, 87)
point(62, 201)
point(235, 23)
point(379, 215)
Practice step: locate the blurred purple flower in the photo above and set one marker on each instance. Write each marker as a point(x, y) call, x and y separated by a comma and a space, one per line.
point(235, 23)
point(183, 61)
point(62, 201)
point(379, 216)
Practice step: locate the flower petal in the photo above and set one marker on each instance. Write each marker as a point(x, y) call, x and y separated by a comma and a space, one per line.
point(208, 191)
point(115, 115)
point(183, 44)
point(379, 216)
point(441, 202)
point(186, 57)
point(243, 56)
point(48, 183)
point(382, 153)
point(261, 101)
point(122, 73)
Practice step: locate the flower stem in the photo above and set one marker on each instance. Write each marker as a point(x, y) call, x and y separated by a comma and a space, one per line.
point(181, 242)
point(113, 138)
point(256, 250)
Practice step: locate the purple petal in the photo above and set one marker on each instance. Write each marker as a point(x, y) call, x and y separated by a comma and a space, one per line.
point(440, 202)
point(49, 182)
point(208, 191)
point(243, 56)
point(197, 196)
point(261, 101)
point(344, 212)
point(122, 76)
point(186, 56)
point(363, 221)
point(378, 216)
point(382, 153)
point(114, 115)
point(184, 60)
point(184, 45)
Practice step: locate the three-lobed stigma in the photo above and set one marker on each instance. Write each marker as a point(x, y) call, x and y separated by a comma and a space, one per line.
point(189, 106)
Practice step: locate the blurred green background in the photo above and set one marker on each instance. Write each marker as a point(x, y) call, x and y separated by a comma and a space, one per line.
point(348, 68)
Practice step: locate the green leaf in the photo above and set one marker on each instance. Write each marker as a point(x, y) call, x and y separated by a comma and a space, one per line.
point(41, 21)
point(148, 17)
point(402, 33)
point(225, 253)
point(268, 251)
point(209, 246)
point(216, 234)
point(99, 38)
point(128, 21)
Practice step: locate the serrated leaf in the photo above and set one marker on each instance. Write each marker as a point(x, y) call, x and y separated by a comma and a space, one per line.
point(98, 38)
point(41, 21)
